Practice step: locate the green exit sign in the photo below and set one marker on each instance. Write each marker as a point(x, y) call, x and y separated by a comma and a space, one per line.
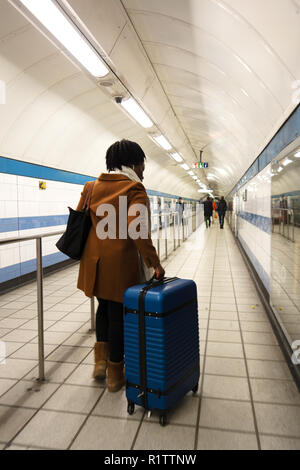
point(200, 165)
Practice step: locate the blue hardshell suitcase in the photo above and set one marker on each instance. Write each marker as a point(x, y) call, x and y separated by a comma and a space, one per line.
point(161, 342)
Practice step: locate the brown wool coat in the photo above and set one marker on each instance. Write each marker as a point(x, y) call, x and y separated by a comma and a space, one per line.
point(109, 267)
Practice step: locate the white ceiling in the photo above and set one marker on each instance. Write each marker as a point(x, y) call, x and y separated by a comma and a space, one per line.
point(210, 73)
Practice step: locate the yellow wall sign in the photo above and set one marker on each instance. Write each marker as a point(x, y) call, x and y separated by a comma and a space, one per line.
point(42, 185)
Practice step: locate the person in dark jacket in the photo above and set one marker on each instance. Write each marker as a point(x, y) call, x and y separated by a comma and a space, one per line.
point(180, 210)
point(222, 208)
point(208, 210)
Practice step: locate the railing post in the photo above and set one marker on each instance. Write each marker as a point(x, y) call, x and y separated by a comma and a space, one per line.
point(93, 320)
point(174, 236)
point(158, 236)
point(166, 235)
point(39, 278)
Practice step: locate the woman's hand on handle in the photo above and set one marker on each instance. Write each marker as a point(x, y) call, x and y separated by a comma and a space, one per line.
point(159, 272)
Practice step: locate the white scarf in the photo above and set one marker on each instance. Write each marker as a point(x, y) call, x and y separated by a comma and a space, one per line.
point(145, 273)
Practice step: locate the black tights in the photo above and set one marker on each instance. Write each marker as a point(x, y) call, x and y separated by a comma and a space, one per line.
point(109, 327)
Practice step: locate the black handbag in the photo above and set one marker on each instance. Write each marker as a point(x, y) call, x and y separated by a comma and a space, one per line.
point(73, 241)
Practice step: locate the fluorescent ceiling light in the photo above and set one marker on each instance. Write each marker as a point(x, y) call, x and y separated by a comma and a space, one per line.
point(162, 141)
point(177, 157)
point(137, 112)
point(222, 172)
point(280, 169)
point(191, 173)
point(194, 177)
point(286, 162)
point(47, 13)
point(211, 175)
point(297, 154)
point(185, 167)
point(205, 191)
point(244, 91)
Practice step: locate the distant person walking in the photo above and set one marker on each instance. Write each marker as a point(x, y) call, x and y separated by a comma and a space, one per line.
point(180, 210)
point(208, 210)
point(222, 208)
point(214, 211)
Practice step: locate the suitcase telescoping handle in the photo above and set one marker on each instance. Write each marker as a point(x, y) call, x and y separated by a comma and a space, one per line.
point(159, 282)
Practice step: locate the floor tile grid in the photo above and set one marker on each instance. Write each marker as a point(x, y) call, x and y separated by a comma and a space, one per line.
point(46, 329)
point(239, 433)
point(50, 353)
point(165, 265)
point(26, 374)
point(62, 300)
point(61, 384)
point(211, 233)
point(227, 236)
point(71, 334)
point(45, 402)
point(179, 268)
point(255, 401)
point(184, 261)
point(86, 419)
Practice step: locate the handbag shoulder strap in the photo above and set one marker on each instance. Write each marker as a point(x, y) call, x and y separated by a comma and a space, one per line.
point(88, 197)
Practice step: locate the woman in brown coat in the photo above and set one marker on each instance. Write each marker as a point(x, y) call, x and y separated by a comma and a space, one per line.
point(112, 262)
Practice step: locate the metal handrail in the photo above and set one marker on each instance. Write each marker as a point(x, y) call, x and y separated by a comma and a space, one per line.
point(39, 278)
point(39, 281)
point(7, 241)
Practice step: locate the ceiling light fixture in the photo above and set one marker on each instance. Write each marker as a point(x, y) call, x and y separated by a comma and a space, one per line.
point(136, 112)
point(162, 141)
point(177, 157)
point(222, 172)
point(185, 167)
point(297, 154)
point(50, 16)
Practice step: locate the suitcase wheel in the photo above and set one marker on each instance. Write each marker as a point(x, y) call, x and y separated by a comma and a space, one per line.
point(195, 389)
point(163, 420)
point(130, 407)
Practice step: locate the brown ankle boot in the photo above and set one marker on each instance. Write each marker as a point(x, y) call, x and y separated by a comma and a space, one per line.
point(115, 376)
point(101, 352)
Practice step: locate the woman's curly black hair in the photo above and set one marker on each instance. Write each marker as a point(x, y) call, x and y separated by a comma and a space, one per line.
point(124, 153)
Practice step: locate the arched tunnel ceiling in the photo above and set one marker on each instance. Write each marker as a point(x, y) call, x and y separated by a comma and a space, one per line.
point(212, 74)
point(228, 68)
point(56, 116)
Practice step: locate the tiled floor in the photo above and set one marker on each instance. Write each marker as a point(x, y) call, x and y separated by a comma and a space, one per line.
point(246, 400)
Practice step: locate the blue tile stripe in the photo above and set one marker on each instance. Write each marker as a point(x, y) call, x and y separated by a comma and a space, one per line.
point(26, 223)
point(261, 222)
point(9, 225)
point(31, 170)
point(265, 278)
point(19, 269)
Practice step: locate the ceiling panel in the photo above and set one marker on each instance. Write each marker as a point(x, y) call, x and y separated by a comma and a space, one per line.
point(55, 115)
point(224, 69)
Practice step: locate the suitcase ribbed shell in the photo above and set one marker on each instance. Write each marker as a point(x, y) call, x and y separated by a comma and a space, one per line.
point(171, 343)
